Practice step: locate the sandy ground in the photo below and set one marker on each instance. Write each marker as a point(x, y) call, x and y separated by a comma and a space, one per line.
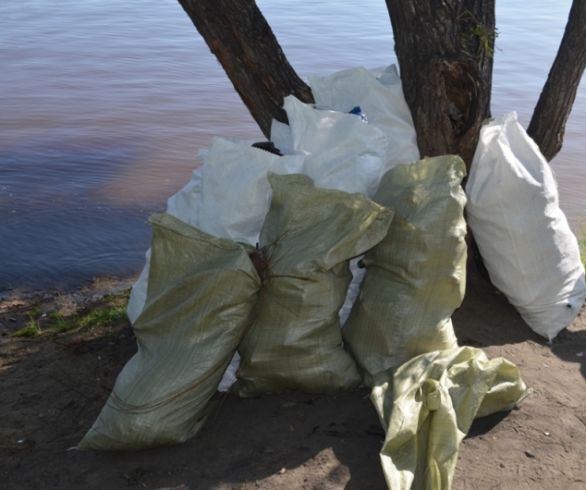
point(52, 388)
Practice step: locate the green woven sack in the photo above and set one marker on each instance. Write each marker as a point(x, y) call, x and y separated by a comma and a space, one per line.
point(416, 276)
point(308, 236)
point(201, 294)
point(427, 407)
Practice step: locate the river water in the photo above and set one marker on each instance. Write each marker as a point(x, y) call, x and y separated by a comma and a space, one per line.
point(104, 106)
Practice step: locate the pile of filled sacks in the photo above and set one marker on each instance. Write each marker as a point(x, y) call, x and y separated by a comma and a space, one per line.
point(254, 257)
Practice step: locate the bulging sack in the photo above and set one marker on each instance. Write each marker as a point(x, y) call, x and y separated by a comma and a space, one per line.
point(201, 294)
point(416, 277)
point(528, 248)
point(307, 239)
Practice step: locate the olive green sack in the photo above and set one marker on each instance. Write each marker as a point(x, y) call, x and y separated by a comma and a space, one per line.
point(308, 236)
point(201, 294)
point(416, 277)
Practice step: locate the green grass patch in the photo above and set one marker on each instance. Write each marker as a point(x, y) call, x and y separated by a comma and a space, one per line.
point(102, 316)
point(107, 312)
point(31, 329)
point(58, 323)
point(116, 298)
point(96, 317)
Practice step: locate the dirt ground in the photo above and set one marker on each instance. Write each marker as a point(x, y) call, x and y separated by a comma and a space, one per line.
point(52, 388)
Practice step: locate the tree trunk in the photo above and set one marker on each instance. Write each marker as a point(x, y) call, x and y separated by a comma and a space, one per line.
point(555, 103)
point(244, 44)
point(445, 52)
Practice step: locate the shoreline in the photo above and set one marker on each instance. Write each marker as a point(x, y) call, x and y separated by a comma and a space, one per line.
point(19, 308)
point(87, 291)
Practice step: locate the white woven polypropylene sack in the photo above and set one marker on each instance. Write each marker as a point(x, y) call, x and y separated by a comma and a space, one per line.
point(341, 151)
point(379, 95)
point(236, 194)
point(530, 252)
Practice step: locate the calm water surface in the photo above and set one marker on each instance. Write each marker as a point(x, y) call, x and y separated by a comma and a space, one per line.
point(104, 106)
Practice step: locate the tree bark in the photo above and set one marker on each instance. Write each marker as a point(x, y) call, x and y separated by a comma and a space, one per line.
point(548, 123)
point(244, 44)
point(445, 53)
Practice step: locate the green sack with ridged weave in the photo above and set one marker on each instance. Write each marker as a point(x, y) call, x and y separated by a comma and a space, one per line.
point(308, 236)
point(416, 277)
point(201, 293)
point(427, 407)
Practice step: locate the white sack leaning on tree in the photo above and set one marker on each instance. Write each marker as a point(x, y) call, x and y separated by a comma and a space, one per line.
point(524, 238)
point(341, 151)
point(379, 94)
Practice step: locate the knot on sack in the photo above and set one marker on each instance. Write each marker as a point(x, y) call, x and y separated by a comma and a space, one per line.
point(261, 260)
